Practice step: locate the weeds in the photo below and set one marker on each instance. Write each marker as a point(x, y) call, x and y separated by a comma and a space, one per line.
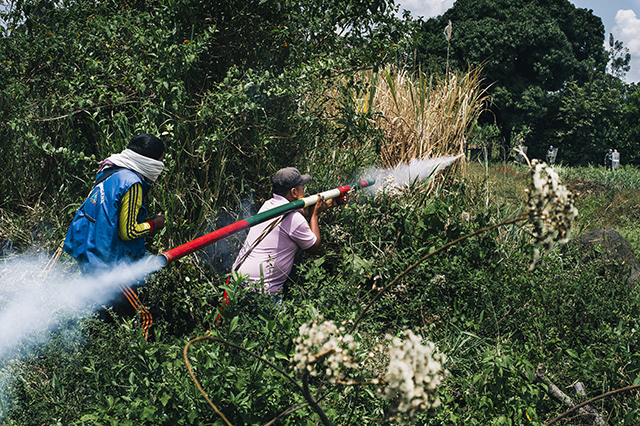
point(476, 302)
point(226, 134)
point(624, 178)
point(322, 349)
point(390, 264)
point(422, 117)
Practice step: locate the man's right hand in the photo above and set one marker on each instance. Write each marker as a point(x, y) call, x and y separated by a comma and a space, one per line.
point(158, 222)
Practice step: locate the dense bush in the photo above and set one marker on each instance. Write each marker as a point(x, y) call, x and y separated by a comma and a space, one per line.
point(236, 90)
point(239, 89)
point(493, 319)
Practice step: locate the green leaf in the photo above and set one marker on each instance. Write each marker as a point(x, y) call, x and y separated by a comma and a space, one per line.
point(148, 413)
point(250, 345)
point(164, 399)
point(313, 312)
point(573, 353)
point(233, 324)
point(193, 414)
point(281, 355)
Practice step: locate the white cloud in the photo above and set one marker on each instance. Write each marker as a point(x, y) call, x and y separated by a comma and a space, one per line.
point(426, 8)
point(627, 30)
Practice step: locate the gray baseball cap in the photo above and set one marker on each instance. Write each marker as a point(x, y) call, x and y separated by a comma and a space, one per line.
point(288, 178)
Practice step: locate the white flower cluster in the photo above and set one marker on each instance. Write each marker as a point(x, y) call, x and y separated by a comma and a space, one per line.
point(413, 373)
point(551, 208)
point(320, 344)
point(389, 189)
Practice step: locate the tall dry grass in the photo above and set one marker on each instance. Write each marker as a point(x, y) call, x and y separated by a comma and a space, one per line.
point(420, 115)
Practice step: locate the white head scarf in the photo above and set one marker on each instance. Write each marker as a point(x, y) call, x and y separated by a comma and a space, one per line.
point(147, 167)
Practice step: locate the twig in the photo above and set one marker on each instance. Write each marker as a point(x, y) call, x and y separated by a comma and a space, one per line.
point(186, 360)
point(593, 415)
point(353, 383)
point(444, 247)
point(71, 114)
point(596, 418)
point(50, 264)
point(286, 413)
point(589, 401)
point(313, 403)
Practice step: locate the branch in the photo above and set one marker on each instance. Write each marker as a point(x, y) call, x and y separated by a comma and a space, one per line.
point(313, 403)
point(587, 402)
point(591, 414)
point(597, 418)
point(60, 117)
point(258, 357)
point(553, 391)
point(286, 413)
point(71, 114)
point(186, 360)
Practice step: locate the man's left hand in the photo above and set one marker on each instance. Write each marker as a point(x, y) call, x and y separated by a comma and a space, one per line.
point(323, 205)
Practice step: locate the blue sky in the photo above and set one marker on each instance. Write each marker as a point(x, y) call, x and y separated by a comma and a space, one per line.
point(620, 17)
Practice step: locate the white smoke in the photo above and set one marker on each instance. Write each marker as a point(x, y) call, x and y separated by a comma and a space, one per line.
point(405, 174)
point(221, 255)
point(33, 302)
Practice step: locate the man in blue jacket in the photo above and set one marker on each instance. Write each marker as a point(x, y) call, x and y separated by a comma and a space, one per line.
point(110, 226)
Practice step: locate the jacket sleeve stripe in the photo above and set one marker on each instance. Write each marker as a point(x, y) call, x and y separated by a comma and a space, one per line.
point(128, 226)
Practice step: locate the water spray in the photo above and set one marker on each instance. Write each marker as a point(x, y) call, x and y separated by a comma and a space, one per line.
point(224, 232)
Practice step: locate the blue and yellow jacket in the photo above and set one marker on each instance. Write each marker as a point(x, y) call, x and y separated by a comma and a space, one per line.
point(109, 226)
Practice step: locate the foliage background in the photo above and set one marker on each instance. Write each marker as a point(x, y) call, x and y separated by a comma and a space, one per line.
point(546, 62)
point(239, 89)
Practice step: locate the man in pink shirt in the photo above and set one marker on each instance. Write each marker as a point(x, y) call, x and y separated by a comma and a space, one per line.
point(270, 261)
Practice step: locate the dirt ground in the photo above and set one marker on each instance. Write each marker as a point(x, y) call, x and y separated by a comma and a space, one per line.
point(582, 189)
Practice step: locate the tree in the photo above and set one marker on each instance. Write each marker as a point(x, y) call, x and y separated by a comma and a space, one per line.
point(589, 121)
point(529, 50)
point(619, 58)
point(630, 126)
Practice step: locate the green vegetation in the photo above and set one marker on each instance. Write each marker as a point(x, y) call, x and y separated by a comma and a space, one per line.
point(494, 321)
point(544, 62)
point(238, 89)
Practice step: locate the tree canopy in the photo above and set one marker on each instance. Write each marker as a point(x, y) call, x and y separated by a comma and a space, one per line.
point(529, 49)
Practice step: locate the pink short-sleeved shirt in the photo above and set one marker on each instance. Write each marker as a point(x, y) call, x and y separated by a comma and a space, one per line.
point(273, 256)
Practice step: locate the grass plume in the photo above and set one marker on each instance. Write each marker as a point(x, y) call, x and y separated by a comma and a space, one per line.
point(423, 116)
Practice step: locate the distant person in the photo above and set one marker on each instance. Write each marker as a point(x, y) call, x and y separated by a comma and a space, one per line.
point(550, 157)
point(520, 154)
point(269, 258)
point(608, 159)
point(615, 159)
point(110, 226)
